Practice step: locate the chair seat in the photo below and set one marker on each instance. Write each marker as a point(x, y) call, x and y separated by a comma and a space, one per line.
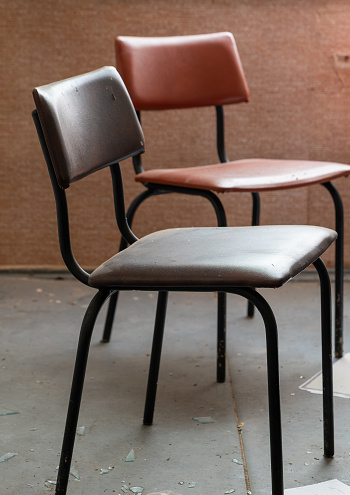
point(251, 175)
point(264, 256)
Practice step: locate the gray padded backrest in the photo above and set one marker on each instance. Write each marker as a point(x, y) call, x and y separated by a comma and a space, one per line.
point(88, 122)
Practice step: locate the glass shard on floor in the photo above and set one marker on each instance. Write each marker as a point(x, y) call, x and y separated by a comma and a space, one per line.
point(164, 493)
point(138, 490)
point(131, 456)
point(8, 456)
point(104, 471)
point(7, 412)
point(74, 473)
point(204, 420)
point(81, 430)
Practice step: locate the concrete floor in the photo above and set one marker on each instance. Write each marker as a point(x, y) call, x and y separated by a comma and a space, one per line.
point(39, 324)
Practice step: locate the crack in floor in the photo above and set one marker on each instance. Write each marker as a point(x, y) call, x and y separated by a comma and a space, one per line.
point(239, 429)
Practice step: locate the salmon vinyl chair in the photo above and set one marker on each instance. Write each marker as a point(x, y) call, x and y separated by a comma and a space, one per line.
point(192, 71)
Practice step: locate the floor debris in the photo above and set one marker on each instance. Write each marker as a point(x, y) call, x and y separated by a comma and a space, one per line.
point(204, 420)
point(74, 473)
point(138, 490)
point(332, 487)
point(8, 456)
point(81, 430)
point(7, 412)
point(104, 471)
point(341, 379)
point(164, 493)
point(131, 456)
point(49, 483)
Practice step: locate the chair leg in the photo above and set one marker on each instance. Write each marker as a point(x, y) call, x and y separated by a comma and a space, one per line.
point(222, 222)
point(155, 358)
point(272, 370)
point(221, 315)
point(327, 370)
point(221, 339)
point(339, 269)
point(273, 385)
point(255, 221)
point(77, 390)
point(221, 311)
point(112, 306)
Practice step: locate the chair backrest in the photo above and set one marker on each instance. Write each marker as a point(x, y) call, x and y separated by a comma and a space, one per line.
point(181, 71)
point(88, 123)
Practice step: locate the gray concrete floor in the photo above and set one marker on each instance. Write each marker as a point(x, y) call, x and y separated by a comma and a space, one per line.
point(40, 317)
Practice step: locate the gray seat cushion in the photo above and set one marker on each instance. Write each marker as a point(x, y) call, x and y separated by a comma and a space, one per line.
point(264, 256)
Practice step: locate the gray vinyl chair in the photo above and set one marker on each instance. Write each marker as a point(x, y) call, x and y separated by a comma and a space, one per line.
point(88, 122)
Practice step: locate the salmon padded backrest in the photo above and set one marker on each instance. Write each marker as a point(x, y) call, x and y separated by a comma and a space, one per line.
point(181, 71)
point(88, 123)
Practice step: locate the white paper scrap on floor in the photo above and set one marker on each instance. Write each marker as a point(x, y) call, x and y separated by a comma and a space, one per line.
point(333, 487)
point(341, 379)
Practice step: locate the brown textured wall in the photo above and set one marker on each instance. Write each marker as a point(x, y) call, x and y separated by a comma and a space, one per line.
point(295, 60)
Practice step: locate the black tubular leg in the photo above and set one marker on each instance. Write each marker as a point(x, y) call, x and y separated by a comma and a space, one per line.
point(221, 311)
point(112, 306)
point(327, 370)
point(273, 386)
point(106, 337)
point(77, 390)
point(221, 339)
point(339, 269)
point(155, 358)
point(255, 221)
point(222, 222)
point(221, 318)
point(107, 331)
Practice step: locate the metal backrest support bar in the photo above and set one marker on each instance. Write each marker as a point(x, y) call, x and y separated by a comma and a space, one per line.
point(220, 134)
point(220, 140)
point(119, 204)
point(62, 212)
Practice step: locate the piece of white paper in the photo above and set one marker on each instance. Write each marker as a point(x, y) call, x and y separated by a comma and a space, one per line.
point(341, 379)
point(333, 487)
point(163, 493)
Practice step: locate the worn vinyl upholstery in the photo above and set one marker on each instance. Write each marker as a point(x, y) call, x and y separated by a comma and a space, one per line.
point(65, 116)
point(199, 70)
point(265, 256)
point(165, 72)
point(250, 175)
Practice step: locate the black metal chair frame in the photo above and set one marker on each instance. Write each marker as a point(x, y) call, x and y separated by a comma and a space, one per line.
point(156, 189)
point(250, 294)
